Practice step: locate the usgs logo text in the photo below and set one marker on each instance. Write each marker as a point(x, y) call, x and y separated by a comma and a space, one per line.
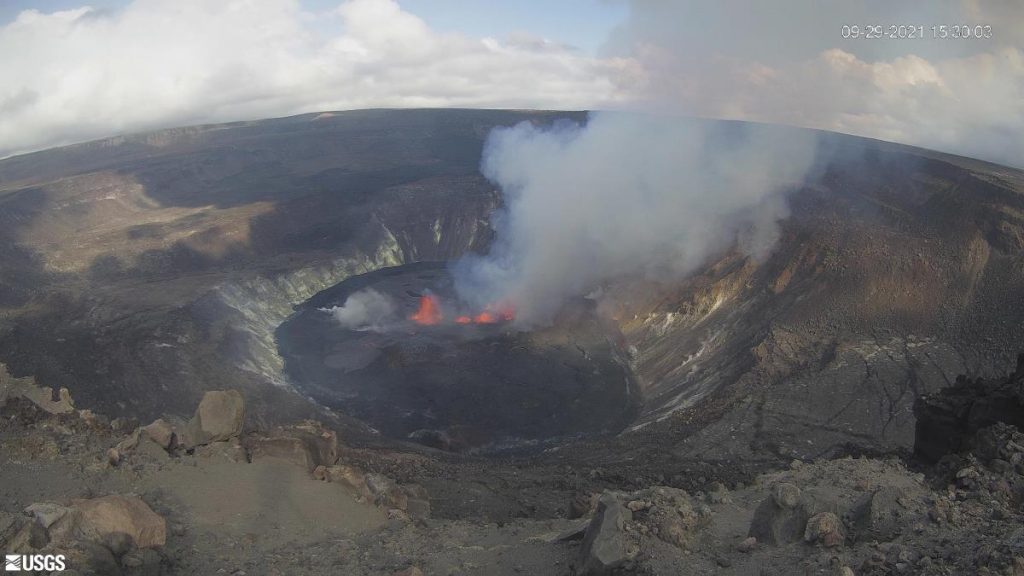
point(34, 562)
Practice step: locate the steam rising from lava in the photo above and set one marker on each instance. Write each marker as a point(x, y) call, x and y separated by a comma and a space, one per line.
point(365, 310)
point(626, 195)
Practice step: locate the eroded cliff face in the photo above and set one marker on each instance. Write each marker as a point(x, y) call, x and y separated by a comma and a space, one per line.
point(255, 307)
point(890, 279)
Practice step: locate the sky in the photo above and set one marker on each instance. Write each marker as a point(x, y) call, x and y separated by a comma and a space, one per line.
point(79, 70)
point(583, 24)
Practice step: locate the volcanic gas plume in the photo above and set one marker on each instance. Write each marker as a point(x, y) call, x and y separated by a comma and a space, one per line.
point(625, 195)
point(365, 310)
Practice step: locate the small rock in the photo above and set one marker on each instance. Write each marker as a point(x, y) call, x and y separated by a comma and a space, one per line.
point(940, 511)
point(410, 571)
point(96, 422)
point(113, 456)
point(347, 476)
point(123, 425)
point(786, 495)
point(399, 515)
point(826, 528)
point(161, 433)
point(386, 493)
point(582, 504)
point(748, 545)
point(718, 494)
point(637, 505)
point(141, 562)
point(130, 443)
point(46, 513)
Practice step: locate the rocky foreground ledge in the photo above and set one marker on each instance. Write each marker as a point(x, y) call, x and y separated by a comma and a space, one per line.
point(206, 496)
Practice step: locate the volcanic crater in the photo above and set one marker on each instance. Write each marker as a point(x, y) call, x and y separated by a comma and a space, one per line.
point(452, 378)
point(142, 271)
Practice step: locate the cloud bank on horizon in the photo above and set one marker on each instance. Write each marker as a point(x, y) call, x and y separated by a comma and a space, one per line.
point(81, 74)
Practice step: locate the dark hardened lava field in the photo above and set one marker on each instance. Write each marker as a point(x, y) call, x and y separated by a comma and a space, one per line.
point(460, 387)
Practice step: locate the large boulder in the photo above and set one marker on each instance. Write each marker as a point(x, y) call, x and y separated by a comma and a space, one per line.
point(880, 515)
point(948, 420)
point(219, 417)
point(386, 492)
point(112, 518)
point(149, 443)
point(162, 433)
point(605, 545)
point(670, 513)
point(307, 444)
point(782, 517)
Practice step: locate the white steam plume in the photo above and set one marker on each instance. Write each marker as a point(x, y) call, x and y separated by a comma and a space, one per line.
point(365, 310)
point(622, 195)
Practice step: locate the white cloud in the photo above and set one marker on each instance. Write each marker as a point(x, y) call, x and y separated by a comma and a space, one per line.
point(962, 96)
point(81, 74)
point(972, 105)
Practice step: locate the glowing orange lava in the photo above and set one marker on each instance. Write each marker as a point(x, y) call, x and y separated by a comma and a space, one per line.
point(484, 317)
point(429, 312)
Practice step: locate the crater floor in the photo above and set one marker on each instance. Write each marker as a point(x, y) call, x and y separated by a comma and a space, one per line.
point(453, 386)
